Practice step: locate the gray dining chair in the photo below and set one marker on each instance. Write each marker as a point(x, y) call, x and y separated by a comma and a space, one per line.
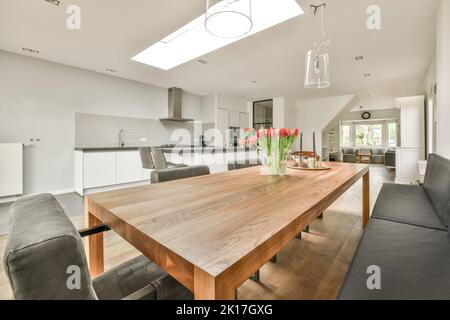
point(170, 174)
point(45, 260)
point(160, 162)
point(146, 158)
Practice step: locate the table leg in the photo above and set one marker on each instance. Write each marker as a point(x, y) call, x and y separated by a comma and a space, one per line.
point(366, 199)
point(206, 287)
point(95, 245)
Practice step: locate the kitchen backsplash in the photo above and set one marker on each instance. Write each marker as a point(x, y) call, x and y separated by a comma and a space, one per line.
point(92, 130)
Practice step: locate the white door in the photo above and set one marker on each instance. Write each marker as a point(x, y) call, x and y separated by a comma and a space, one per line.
point(244, 120)
point(99, 169)
point(129, 167)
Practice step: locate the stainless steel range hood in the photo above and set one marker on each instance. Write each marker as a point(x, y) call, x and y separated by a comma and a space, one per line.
point(175, 110)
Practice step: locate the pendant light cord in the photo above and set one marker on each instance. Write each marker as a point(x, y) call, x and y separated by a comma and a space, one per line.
point(322, 15)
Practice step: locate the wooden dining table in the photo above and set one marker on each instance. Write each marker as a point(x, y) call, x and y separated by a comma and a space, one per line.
point(211, 233)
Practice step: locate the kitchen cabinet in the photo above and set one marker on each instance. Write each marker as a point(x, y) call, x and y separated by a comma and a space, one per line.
point(128, 167)
point(412, 131)
point(235, 119)
point(223, 119)
point(111, 169)
point(244, 120)
point(412, 122)
point(99, 169)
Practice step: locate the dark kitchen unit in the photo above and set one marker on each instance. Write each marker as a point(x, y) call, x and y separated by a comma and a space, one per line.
point(263, 114)
point(235, 133)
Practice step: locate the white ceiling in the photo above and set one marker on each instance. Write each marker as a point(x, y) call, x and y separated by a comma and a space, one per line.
point(113, 31)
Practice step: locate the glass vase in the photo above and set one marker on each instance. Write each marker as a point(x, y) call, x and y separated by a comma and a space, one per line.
point(273, 161)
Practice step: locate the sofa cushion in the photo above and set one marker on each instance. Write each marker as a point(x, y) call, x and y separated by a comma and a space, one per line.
point(437, 186)
point(414, 263)
point(406, 204)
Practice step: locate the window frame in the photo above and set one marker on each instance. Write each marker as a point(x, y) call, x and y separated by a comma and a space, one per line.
point(384, 132)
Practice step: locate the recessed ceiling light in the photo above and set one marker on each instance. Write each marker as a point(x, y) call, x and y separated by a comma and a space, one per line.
point(359, 58)
point(111, 70)
point(202, 61)
point(30, 50)
point(254, 81)
point(366, 75)
point(55, 2)
point(193, 40)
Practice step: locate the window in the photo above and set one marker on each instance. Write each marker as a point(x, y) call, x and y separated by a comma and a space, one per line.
point(369, 135)
point(381, 133)
point(346, 139)
point(392, 134)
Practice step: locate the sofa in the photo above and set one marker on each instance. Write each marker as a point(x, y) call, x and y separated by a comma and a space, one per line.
point(407, 241)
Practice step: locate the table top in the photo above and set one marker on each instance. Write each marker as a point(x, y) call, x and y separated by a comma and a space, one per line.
point(214, 221)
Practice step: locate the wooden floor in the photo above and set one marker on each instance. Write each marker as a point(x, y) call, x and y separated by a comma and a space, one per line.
point(312, 268)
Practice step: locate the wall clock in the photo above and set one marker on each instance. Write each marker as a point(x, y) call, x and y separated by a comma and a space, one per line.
point(366, 115)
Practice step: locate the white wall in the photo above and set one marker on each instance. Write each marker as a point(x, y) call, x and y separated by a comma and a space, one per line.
point(232, 103)
point(430, 77)
point(443, 80)
point(39, 99)
point(209, 108)
point(279, 112)
point(315, 115)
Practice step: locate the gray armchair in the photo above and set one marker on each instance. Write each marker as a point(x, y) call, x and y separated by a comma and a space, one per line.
point(349, 155)
point(378, 156)
point(390, 159)
point(45, 260)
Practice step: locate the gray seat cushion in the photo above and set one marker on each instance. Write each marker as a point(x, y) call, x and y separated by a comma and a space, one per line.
point(406, 204)
point(414, 263)
point(170, 174)
point(437, 186)
point(128, 280)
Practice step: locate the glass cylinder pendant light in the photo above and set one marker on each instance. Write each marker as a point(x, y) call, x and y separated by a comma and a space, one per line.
point(228, 18)
point(318, 60)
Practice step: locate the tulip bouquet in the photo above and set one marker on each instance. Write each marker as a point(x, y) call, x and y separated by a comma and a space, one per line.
point(276, 144)
point(250, 139)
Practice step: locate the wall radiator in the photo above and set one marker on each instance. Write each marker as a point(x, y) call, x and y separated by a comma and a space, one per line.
point(11, 169)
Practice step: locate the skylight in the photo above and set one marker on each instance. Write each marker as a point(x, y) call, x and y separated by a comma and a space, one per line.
point(193, 40)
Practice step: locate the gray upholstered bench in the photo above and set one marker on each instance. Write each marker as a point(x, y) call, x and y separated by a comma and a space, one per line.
point(408, 240)
point(45, 260)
